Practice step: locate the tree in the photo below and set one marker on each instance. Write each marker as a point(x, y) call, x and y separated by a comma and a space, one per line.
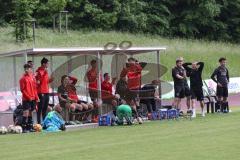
point(158, 16)
point(23, 10)
point(230, 17)
point(47, 9)
point(131, 16)
point(6, 14)
point(95, 14)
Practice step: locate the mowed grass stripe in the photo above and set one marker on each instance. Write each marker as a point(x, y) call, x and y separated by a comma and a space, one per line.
point(213, 137)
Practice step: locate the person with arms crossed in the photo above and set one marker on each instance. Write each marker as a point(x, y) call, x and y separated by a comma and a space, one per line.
point(181, 88)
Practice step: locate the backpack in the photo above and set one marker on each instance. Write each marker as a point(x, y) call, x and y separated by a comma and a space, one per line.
point(18, 115)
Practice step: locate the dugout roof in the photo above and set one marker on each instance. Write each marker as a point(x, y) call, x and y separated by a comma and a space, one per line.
point(81, 51)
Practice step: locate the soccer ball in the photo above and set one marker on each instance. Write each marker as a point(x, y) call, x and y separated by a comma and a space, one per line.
point(18, 129)
point(11, 129)
point(3, 130)
point(37, 127)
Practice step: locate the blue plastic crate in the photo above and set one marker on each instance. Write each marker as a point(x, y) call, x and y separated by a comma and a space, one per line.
point(155, 115)
point(163, 114)
point(105, 120)
point(172, 114)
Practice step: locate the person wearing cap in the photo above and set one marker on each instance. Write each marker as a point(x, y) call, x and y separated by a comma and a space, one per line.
point(29, 98)
point(181, 87)
point(43, 81)
point(195, 74)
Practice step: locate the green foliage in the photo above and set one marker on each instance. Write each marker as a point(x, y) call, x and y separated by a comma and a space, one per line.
point(200, 19)
point(23, 10)
point(47, 10)
point(230, 17)
point(131, 16)
point(158, 16)
point(95, 14)
point(6, 8)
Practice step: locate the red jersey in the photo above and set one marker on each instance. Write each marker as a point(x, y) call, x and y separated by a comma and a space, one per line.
point(71, 89)
point(42, 80)
point(28, 88)
point(134, 76)
point(106, 89)
point(92, 79)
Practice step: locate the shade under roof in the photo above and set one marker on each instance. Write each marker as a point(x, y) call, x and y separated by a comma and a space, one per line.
point(81, 51)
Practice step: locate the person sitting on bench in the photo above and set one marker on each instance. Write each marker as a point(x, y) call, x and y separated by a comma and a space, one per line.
point(68, 97)
point(107, 94)
point(72, 94)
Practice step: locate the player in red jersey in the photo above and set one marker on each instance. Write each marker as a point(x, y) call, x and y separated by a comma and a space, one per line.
point(29, 97)
point(43, 81)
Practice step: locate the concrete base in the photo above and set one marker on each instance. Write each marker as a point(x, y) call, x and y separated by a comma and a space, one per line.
point(81, 126)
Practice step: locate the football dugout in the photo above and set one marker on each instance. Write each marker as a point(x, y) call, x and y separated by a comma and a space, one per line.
point(76, 62)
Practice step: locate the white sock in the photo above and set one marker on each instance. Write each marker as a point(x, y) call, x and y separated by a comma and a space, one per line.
point(203, 113)
point(194, 112)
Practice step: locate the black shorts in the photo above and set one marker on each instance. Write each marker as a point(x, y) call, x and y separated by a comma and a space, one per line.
point(132, 95)
point(182, 91)
point(197, 93)
point(222, 91)
point(29, 105)
point(93, 94)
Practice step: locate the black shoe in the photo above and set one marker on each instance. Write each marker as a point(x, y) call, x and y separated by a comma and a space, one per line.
point(78, 122)
point(129, 121)
point(119, 123)
point(30, 128)
point(180, 113)
point(67, 123)
point(25, 131)
point(86, 121)
point(189, 112)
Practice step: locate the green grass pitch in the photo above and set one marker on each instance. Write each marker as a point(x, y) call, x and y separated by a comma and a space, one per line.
point(215, 137)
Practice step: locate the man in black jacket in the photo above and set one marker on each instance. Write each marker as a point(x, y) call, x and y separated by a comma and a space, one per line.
point(195, 74)
point(221, 77)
